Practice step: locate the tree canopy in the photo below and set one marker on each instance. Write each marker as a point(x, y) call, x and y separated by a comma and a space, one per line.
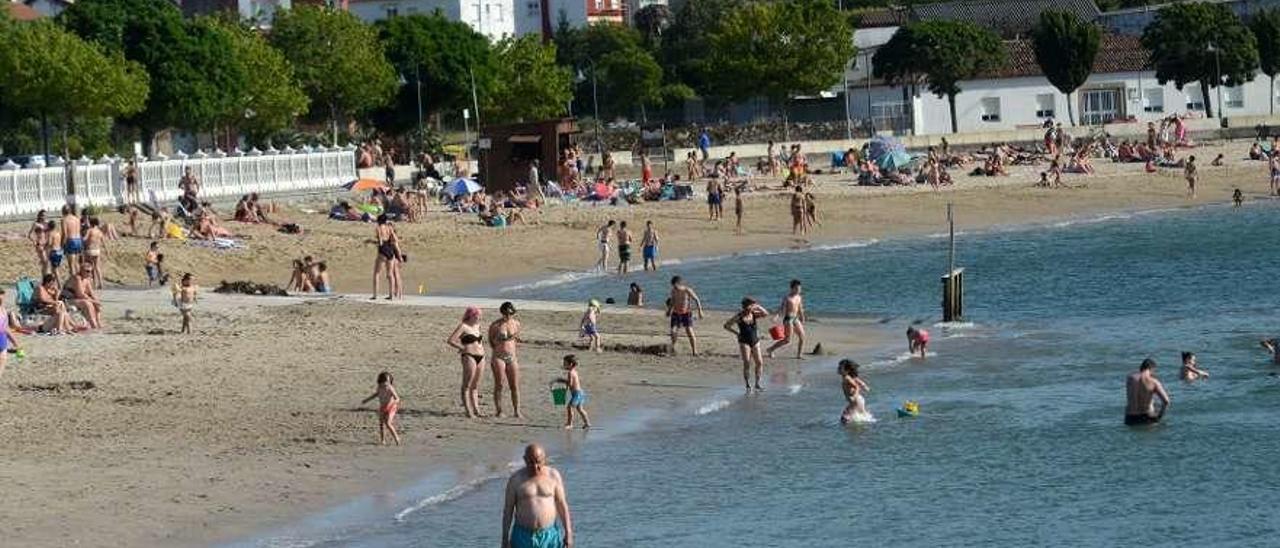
point(781, 49)
point(1197, 42)
point(51, 72)
point(625, 72)
point(946, 52)
point(1065, 48)
point(270, 98)
point(686, 50)
point(1265, 26)
point(338, 60)
point(529, 85)
point(443, 55)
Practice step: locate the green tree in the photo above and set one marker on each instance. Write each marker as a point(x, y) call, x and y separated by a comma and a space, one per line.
point(338, 61)
point(443, 55)
point(1197, 43)
point(686, 52)
point(780, 49)
point(1065, 48)
point(945, 52)
point(270, 98)
point(50, 72)
point(223, 81)
point(153, 34)
point(529, 85)
point(652, 21)
point(1266, 30)
point(624, 71)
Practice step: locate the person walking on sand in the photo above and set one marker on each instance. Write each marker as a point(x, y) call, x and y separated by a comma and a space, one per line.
point(738, 209)
point(577, 395)
point(745, 325)
point(793, 318)
point(1141, 389)
point(624, 248)
point(388, 404)
point(854, 387)
point(649, 242)
point(503, 336)
point(799, 227)
point(680, 306)
point(185, 299)
point(469, 343)
point(589, 327)
point(1190, 370)
point(602, 241)
point(535, 510)
point(715, 199)
point(1189, 170)
point(388, 258)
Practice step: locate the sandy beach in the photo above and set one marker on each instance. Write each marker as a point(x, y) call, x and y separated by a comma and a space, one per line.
point(135, 436)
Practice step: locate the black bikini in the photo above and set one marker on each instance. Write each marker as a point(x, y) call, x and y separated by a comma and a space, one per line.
point(468, 338)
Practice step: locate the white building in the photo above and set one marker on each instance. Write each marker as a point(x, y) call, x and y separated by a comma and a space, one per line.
point(1018, 96)
point(495, 19)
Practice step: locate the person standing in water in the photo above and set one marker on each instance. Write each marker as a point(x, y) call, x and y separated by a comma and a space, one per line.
point(1190, 172)
point(1141, 389)
point(1190, 370)
point(535, 511)
point(854, 387)
point(917, 341)
point(602, 241)
point(1237, 197)
point(650, 243)
point(503, 335)
point(745, 326)
point(624, 248)
point(793, 317)
point(680, 309)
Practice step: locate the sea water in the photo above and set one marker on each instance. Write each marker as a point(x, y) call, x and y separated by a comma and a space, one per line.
point(1020, 438)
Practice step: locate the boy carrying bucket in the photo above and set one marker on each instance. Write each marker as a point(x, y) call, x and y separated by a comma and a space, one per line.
point(577, 396)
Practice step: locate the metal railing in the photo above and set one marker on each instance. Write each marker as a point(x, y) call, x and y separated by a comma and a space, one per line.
point(101, 182)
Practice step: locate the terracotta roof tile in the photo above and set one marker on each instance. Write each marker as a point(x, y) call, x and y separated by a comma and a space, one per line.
point(22, 12)
point(1009, 18)
point(1117, 53)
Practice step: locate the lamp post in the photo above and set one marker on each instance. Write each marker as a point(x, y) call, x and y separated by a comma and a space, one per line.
point(595, 102)
point(1217, 65)
point(417, 76)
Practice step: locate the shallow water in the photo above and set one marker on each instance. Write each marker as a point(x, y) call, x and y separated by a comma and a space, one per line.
point(1020, 438)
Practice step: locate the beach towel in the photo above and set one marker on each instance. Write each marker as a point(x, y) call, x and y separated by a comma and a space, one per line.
point(26, 299)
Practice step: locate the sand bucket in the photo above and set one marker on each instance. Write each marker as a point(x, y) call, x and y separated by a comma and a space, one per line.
point(558, 395)
point(777, 332)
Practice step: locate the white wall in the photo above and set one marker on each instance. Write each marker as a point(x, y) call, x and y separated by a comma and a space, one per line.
point(1018, 104)
point(528, 14)
point(492, 18)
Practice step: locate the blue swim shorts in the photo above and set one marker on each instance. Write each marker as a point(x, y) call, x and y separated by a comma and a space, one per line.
point(650, 252)
point(74, 246)
point(547, 537)
point(577, 398)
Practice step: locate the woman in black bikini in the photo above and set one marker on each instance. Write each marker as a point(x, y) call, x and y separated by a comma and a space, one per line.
point(466, 338)
point(388, 259)
point(744, 325)
point(503, 335)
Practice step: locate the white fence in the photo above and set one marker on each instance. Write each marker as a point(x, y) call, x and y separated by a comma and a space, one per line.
point(101, 183)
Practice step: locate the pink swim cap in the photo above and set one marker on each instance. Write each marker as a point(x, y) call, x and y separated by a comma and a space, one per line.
point(472, 313)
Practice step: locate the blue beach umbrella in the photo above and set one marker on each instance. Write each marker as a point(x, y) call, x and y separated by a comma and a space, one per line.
point(462, 187)
point(894, 160)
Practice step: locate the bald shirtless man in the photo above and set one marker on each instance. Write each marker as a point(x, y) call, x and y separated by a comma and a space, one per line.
point(1142, 388)
point(536, 499)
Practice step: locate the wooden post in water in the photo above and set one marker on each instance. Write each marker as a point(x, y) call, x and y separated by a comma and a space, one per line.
point(953, 280)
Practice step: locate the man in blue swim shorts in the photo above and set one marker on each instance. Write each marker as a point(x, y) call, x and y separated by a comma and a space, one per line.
point(650, 243)
point(536, 500)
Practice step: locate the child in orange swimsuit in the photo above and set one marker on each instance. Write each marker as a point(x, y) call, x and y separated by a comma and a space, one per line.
point(389, 403)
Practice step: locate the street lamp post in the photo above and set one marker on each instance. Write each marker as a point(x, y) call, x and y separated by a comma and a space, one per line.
point(595, 103)
point(1217, 65)
point(417, 76)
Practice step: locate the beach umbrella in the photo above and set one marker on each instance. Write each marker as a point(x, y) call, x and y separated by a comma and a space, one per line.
point(893, 160)
point(365, 184)
point(462, 187)
point(880, 145)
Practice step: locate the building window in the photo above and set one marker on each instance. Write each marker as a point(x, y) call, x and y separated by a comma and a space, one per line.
point(1233, 97)
point(599, 5)
point(990, 109)
point(535, 9)
point(1153, 100)
point(392, 11)
point(1194, 100)
point(1044, 105)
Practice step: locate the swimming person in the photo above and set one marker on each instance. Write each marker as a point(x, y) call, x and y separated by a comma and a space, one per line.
point(1141, 389)
point(649, 241)
point(1191, 371)
point(635, 295)
point(535, 501)
point(917, 340)
point(503, 335)
point(681, 313)
point(588, 326)
point(468, 341)
point(746, 327)
point(1273, 346)
point(793, 316)
point(854, 387)
point(602, 241)
point(577, 395)
point(624, 248)
point(388, 404)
